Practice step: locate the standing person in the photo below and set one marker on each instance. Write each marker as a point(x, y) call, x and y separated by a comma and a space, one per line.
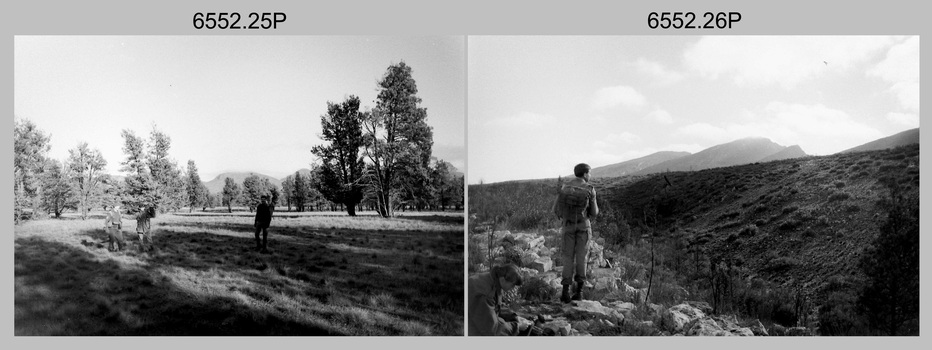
point(263, 219)
point(485, 301)
point(144, 226)
point(114, 226)
point(575, 205)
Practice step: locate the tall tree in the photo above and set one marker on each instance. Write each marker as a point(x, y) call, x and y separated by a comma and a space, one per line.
point(30, 147)
point(442, 183)
point(288, 190)
point(169, 183)
point(231, 193)
point(197, 194)
point(57, 192)
point(397, 136)
point(340, 160)
point(86, 166)
point(139, 189)
point(254, 188)
point(299, 193)
point(891, 296)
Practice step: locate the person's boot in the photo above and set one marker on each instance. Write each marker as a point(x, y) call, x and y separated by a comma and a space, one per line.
point(577, 291)
point(565, 297)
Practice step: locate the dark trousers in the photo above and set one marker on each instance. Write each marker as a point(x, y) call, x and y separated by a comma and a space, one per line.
point(575, 251)
point(116, 236)
point(264, 243)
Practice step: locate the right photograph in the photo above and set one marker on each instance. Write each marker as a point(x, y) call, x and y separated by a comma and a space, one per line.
point(693, 186)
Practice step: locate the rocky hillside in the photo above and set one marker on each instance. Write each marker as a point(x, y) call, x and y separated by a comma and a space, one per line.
point(904, 138)
point(778, 234)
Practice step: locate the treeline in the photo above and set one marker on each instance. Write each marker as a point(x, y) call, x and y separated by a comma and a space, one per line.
point(44, 186)
point(381, 157)
point(378, 159)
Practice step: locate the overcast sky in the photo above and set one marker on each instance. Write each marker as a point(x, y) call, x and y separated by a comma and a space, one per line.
point(244, 103)
point(539, 105)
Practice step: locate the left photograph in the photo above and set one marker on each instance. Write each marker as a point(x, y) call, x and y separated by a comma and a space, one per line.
point(225, 186)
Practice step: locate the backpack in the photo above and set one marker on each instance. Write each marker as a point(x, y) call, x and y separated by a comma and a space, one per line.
point(574, 200)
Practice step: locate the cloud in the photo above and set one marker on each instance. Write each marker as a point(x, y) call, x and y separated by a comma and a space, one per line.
point(901, 68)
point(614, 96)
point(612, 140)
point(779, 60)
point(660, 75)
point(660, 116)
point(523, 119)
point(906, 119)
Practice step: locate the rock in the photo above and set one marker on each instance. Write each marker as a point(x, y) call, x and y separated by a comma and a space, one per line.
point(758, 329)
point(588, 309)
point(552, 278)
point(559, 326)
point(541, 264)
point(705, 326)
point(582, 326)
point(536, 244)
point(623, 308)
point(701, 305)
point(524, 323)
point(742, 332)
point(528, 258)
point(676, 317)
point(607, 284)
point(778, 330)
point(797, 332)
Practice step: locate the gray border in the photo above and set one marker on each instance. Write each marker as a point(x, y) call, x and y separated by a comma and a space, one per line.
point(420, 17)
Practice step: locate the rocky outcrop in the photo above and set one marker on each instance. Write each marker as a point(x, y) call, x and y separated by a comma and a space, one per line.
point(677, 317)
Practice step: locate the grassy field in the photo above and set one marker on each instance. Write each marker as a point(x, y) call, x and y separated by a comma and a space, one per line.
point(327, 274)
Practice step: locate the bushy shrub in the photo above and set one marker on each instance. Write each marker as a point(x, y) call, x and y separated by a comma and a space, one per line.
point(536, 290)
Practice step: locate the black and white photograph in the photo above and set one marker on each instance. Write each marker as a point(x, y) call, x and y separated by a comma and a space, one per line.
point(693, 185)
point(238, 185)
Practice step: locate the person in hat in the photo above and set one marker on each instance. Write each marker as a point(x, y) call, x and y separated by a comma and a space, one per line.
point(485, 301)
point(263, 220)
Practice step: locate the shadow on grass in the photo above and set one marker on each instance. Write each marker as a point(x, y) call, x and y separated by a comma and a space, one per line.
point(346, 282)
point(63, 290)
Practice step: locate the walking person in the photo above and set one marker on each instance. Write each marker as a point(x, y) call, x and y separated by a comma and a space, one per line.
point(144, 226)
point(263, 220)
point(114, 226)
point(575, 205)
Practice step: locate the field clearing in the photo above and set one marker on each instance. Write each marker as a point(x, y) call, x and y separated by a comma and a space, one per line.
point(327, 274)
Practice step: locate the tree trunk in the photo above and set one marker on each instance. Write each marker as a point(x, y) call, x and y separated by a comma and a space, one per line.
point(351, 209)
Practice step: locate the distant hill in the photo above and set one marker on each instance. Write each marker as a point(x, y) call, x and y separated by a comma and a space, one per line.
point(743, 151)
point(907, 137)
point(216, 185)
point(791, 152)
point(635, 165)
point(303, 171)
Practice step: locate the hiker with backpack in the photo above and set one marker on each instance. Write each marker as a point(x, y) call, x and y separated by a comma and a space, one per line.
point(575, 205)
point(485, 301)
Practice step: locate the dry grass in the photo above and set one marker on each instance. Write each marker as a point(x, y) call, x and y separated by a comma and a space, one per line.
point(327, 275)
